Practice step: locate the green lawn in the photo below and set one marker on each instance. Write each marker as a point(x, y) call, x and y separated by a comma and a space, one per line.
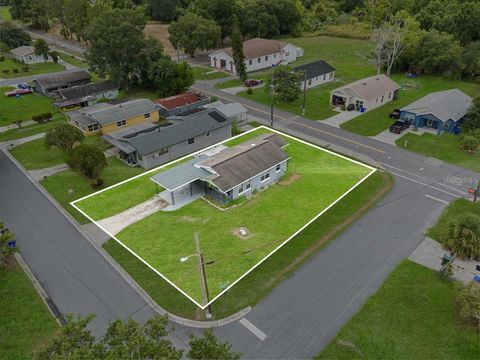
point(32, 129)
point(138, 93)
point(73, 60)
point(230, 83)
point(373, 122)
point(453, 211)
point(67, 186)
point(26, 324)
point(24, 107)
point(347, 56)
point(34, 155)
point(412, 316)
point(445, 147)
point(34, 69)
point(270, 217)
point(5, 13)
point(200, 73)
point(251, 289)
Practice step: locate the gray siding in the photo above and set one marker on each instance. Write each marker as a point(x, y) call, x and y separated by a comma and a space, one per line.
point(181, 149)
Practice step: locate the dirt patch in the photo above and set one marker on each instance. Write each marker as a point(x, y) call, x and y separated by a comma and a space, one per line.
point(288, 181)
point(241, 233)
point(160, 32)
point(350, 346)
point(188, 219)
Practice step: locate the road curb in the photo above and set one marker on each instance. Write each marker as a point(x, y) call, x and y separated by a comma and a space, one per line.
point(140, 291)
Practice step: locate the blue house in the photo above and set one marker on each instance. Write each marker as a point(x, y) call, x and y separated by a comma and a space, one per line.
point(443, 110)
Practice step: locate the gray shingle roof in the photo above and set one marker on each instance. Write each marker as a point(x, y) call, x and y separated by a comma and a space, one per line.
point(92, 89)
point(369, 88)
point(315, 68)
point(62, 80)
point(23, 50)
point(445, 105)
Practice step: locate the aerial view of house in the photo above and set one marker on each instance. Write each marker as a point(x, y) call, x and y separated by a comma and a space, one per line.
point(176, 104)
point(26, 54)
point(259, 54)
point(148, 144)
point(443, 111)
point(230, 173)
point(316, 73)
point(84, 95)
point(366, 94)
point(105, 118)
point(234, 111)
point(47, 85)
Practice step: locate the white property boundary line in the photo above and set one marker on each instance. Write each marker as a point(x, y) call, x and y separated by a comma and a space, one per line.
point(73, 203)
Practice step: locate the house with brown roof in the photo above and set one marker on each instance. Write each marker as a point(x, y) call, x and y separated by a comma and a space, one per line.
point(366, 94)
point(229, 173)
point(180, 103)
point(259, 54)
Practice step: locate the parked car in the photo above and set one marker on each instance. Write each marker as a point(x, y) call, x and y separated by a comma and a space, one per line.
point(398, 126)
point(253, 82)
point(395, 114)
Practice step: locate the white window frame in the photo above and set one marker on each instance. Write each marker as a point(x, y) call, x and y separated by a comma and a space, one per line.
point(147, 115)
point(121, 123)
point(278, 168)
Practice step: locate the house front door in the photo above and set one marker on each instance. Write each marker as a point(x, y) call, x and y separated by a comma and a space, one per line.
point(223, 63)
point(430, 123)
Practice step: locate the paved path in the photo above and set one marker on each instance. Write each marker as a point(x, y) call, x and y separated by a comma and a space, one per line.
point(40, 174)
point(430, 253)
point(340, 118)
point(16, 142)
point(388, 137)
point(13, 126)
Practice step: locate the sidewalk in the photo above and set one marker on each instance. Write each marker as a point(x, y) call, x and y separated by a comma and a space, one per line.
point(13, 126)
point(16, 142)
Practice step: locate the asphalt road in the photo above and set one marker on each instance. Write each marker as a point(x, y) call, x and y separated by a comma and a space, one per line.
point(301, 315)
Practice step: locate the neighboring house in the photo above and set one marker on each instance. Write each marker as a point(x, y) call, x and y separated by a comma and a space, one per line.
point(26, 54)
point(85, 95)
point(230, 173)
point(177, 104)
point(259, 54)
point(48, 84)
point(366, 94)
point(234, 111)
point(443, 110)
point(149, 145)
point(316, 73)
point(106, 117)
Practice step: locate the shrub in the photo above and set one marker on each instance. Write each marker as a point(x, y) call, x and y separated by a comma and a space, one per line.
point(15, 70)
point(42, 117)
point(469, 144)
point(26, 68)
point(249, 91)
point(468, 300)
point(2, 58)
point(213, 99)
point(97, 182)
point(464, 236)
point(5, 71)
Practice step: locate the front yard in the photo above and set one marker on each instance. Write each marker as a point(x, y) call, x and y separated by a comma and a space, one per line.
point(445, 147)
point(33, 129)
point(412, 316)
point(314, 180)
point(201, 73)
point(9, 66)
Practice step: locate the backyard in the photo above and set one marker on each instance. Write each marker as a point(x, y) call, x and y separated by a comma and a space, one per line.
point(270, 217)
point(412, 316)
point(8, 67)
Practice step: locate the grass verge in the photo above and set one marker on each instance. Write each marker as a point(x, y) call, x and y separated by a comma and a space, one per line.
point(259, 283)
point(29, 130)
point(33, 69)
point(412, 316)
point(200, 73)
point(26, 324)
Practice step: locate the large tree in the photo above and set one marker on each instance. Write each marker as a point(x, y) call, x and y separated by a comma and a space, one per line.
point(87, 160)
point(170, 78)
point(208, 348)
point(220, 11)
point(41, 48)
point(286, 82)
point(12, 35)
point(64, 137)
point(473, 116)
point(237, 50)
point(161, 10)
point(192, 32)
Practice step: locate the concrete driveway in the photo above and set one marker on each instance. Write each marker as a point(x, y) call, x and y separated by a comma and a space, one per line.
point(340, 118)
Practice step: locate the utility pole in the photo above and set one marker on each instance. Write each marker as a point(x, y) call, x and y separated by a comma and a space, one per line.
point(178, 52)
point(304, 92)
point(477, 192)
point(203, 276)
point(271, 102)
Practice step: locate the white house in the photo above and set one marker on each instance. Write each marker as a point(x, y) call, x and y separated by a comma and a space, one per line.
point(366, 94)
point(26, 54)
point(259, 54)
point(316, 73)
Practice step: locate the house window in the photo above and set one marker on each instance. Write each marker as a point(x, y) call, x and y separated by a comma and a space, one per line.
point(121, 123)
point(250, 62)
point(331, 76)
point(160, 152)
point(240, 189)
point(229, 193)
point(93, 127)
point(208, 134)
point(389, 94)
point(324, 76)
point(382, 98)
point(190, 141)
point(376, 100)
point(244, 187)
point(288, 53)
point(248, 186)
point(259, 60)
point(409, 116)
point(29, 57)
point(274, 56)
point(266, 58)
point(265, 177)
point(147, 115)
point(277, 168)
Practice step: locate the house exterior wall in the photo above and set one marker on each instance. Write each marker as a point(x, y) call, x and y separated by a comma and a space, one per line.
point(135, 120)
point(33, 58)
point(181, 149)
point(371, 104)
point(318, 80)
point(429, 120)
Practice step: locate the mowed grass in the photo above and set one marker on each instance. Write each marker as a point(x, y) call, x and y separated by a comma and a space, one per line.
point(374, 122)
point(34, 155)
point(452, 212)
point(347, 56)
point(33, 129)
point(270, 217)
point(412, 316)
point(73, 60)
point(201, 73)
point(445, 147)
point(34, 69)
point(257, 284)
point(67, 186)
point(22, 108)
point(26, 324)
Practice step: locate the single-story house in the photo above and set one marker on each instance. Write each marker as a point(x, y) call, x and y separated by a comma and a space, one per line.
point(177, 104)
point(108, 117)
point(234, 111)
point(366, 94)
point(85, 95)
point(259, 54)
point(26, 54)
point(230, 173)
point(47, 84)
point(150, 145)
point(443, 110)
point(316, 73)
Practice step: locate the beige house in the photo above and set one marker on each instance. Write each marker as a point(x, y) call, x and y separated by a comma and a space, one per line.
point(26, 54)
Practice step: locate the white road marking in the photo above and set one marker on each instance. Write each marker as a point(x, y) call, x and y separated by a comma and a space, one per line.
point(426, 185)
point(436, 199)
point(256, 331)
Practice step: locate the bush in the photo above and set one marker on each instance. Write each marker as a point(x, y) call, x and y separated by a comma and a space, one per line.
point(2, 58)
point(97, 182)
point(15, 70)
point(464, 236)
point(42, 117)
point(5, 71)
point(468, 300)
point(249, 91)
point(26, 68)
point(469, 144)
point(213, 99)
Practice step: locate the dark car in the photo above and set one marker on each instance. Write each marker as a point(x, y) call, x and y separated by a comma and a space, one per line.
point(398, 126)
point(395, 114)
point(253, 82)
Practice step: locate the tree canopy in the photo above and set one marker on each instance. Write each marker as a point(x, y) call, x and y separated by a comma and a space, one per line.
point(87, 160)
point(64, 137)
point(12, 35)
